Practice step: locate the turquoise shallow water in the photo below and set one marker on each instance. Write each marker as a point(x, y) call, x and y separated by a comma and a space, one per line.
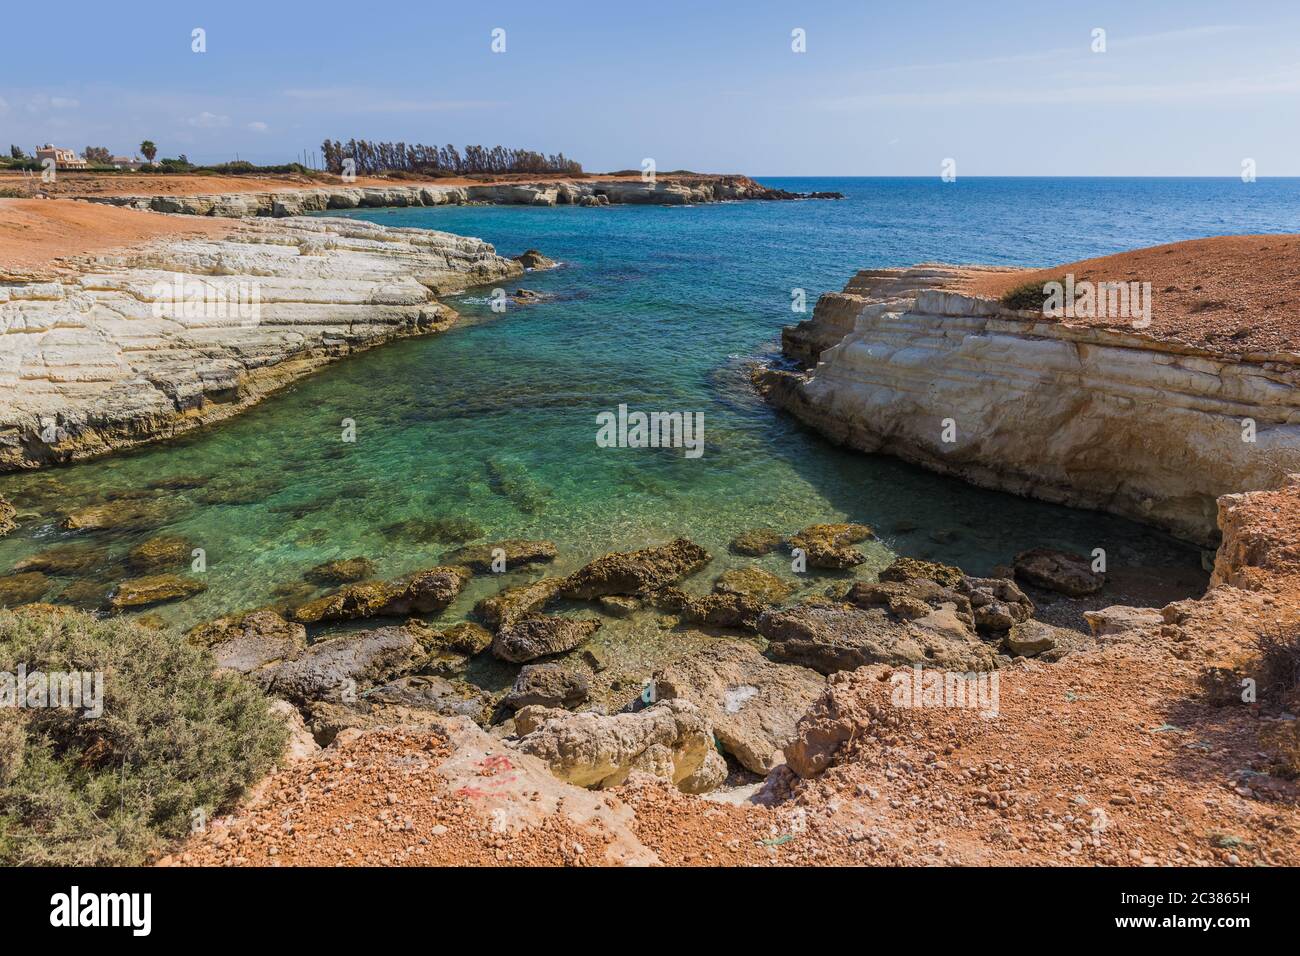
point(658, 308)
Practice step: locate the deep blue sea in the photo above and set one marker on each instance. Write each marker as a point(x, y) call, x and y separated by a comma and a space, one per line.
point(661, 308)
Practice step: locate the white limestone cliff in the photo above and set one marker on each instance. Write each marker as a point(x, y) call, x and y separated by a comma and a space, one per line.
point(1084, 416)
point(131, 347)
point(295, 202)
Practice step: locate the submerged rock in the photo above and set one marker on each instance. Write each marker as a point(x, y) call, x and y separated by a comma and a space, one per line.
point(757, 542)
point(343, 571)
point(510, 479)
point(836, 637)
point(515, 552)
point(1060, 571)
point(250, 642)
point(827, 545)
point(22, 588)
point(8, 516)
point(154, 589)
point(636, 572)
point(86, 593)
point(452, 530)
point(617, 605)
point(126, 514)
point(159, 553)
point(65, 559)
point(752, 703)
point(528, 639)
point(670, 740)
point(547, 685)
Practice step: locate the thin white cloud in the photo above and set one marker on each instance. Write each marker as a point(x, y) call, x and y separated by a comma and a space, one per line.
point(206, 120)
point(64, 103)
point(258, 126)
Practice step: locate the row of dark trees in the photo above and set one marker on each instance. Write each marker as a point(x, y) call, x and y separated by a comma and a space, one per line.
point(417, 158)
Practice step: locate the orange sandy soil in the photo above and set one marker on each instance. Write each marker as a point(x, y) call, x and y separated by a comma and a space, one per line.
point(1229, 294)
point(36, 232)
point(1119, 756)
point(71, 184)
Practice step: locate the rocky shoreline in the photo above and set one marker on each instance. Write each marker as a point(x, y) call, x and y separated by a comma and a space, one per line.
point(840, 771)
point(121, 349)
point(666, 191)
point(765, 658)
point(904, 360)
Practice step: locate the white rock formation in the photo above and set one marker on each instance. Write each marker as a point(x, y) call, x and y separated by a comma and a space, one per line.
point(150, 343)
point(295, 202)
point(1084, 416)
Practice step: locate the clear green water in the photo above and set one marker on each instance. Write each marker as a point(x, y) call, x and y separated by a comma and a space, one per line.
point(659, 308)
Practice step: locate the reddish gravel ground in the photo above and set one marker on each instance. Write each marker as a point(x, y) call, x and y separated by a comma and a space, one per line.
point(34, 233)
point(1230, 294)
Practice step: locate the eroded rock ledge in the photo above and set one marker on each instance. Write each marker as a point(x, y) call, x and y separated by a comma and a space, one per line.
point(1085, 416)
point(100, 359)
point(295, 202)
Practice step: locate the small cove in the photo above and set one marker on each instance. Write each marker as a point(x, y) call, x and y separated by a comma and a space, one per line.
point(491, 427)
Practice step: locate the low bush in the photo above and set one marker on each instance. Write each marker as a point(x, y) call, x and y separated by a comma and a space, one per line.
point(1029, 295)
point(117, 789)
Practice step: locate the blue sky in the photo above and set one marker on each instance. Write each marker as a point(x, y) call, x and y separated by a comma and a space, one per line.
point(1012, 88)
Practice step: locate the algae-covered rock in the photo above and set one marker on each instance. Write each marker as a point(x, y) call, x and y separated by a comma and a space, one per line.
point(636, 572)
point(827, 545)
point(154, 589)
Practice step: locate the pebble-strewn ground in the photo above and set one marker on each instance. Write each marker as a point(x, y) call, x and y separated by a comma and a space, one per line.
point(1227, 294)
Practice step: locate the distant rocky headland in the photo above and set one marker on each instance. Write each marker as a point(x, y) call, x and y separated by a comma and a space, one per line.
point(666, 191)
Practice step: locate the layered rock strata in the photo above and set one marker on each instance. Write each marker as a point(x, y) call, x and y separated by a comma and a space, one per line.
point(1091, 417)
point(131, 347)
point(295, 202)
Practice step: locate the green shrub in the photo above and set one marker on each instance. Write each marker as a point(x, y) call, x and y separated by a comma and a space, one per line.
point(1029, 295)
point(118, 788)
